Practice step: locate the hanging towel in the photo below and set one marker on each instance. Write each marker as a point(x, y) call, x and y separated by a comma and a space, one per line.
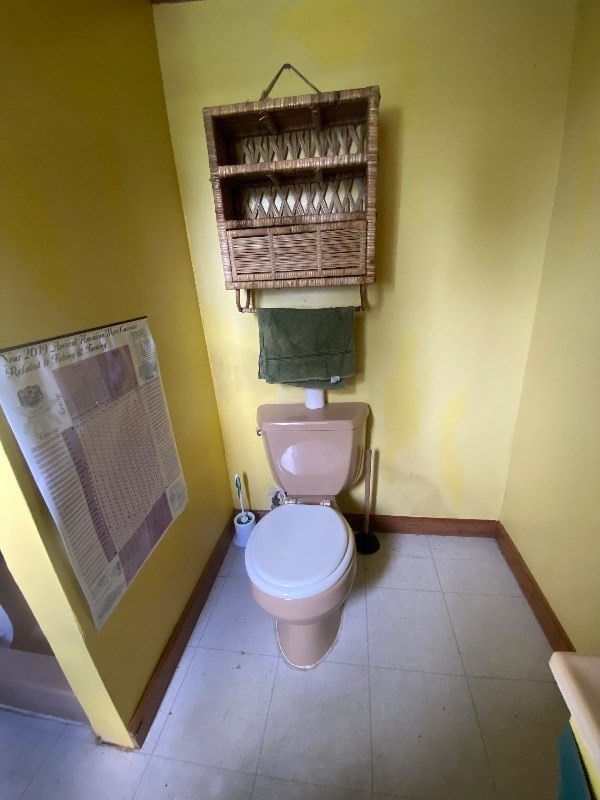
point(312, 348)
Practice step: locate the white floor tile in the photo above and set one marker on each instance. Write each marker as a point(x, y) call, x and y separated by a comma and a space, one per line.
point(318, 727)
point(471, 548)
point(521, 722)
point(40, 723)
point(82, 732)
point(426, 741)
point(411, 630)
point(403, 544)
point(77, 770)
point(239, 623)
point(361, 566)
point(179, 676)
point(206, 612)
point(155, 730)
point(277, 789)
point(22, 751)
point(402, 572)
point(166, 779)
point(316, 741)
point(219, 715)
point(238, 567)
point(499, 637)
point(168, 700)
point(228, 560)
point(351, 646)
point(483, 577)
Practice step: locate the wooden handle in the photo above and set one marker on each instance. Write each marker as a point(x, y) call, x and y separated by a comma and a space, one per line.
point(368, 459)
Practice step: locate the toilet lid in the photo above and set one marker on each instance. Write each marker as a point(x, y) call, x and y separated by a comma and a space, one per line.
point(299, 550)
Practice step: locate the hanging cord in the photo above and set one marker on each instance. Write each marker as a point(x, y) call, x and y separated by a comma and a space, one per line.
point(266, 92)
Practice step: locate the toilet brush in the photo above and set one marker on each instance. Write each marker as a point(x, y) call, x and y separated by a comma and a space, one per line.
point(367, 543)
point(238, 485)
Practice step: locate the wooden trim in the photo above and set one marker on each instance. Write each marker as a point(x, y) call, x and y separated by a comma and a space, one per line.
point(555, 633)
point(432, 526)
point(380, 523)
point(440, 526)
point(145, 712)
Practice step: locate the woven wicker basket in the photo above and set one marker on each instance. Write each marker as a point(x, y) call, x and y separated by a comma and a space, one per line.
point(294, 184)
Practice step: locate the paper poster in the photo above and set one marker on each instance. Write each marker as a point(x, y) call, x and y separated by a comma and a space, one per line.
point(89, 413)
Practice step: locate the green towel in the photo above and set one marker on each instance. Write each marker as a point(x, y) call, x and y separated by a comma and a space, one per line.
point(312, 348)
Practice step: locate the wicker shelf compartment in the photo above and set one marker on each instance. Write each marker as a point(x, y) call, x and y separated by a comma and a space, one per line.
point(339, 140)
point(295, 195)
point(294, 184)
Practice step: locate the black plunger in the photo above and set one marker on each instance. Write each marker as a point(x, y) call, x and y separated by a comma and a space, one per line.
point(367, 543)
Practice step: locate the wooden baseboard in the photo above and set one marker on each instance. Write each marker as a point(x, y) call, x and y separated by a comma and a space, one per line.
point(380, 523)
point(439, 526)
point(144, 714)
point(555, 633)
point(432, 526)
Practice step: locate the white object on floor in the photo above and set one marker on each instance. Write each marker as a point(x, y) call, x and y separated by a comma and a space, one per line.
point(244, 524)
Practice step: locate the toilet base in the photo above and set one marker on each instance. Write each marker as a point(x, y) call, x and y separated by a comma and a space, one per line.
point(307, 627)
point(305, 646)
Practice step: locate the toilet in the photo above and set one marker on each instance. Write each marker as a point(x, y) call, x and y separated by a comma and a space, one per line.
point(301, 557)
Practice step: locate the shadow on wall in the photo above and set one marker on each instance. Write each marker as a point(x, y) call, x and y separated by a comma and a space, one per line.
point(386, 241)
point(492, 203)
point(27, 634)
point(389, 180)
point(415, 493)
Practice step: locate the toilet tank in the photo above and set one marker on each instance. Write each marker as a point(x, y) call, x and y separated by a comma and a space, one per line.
point(314, 452)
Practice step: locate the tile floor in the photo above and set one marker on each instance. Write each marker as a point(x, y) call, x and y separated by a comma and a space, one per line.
point(438, 689)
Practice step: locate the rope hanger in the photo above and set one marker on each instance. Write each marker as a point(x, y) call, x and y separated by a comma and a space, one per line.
point(265, 93)
point(249, 306)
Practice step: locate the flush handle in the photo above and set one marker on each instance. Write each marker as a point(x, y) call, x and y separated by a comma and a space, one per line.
point(259, 431)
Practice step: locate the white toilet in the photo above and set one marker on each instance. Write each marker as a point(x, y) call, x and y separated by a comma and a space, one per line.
point(301, 557)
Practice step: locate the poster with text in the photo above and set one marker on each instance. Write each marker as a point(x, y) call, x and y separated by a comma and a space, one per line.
point(89, 413)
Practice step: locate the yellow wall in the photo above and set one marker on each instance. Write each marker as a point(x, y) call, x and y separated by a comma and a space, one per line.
point(551, 503)
point(23, 549)
point(472, 112)
point(92, 232)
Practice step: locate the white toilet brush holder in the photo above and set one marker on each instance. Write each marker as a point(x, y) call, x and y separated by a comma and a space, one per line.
point(244, 523)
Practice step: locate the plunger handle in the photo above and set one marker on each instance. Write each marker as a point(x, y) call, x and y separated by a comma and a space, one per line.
point(366, 542)
point(367, 514)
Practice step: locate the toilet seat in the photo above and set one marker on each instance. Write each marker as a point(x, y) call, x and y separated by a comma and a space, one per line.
point(299, 551)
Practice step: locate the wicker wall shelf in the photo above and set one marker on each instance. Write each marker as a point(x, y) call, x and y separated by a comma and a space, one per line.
point(294, 182)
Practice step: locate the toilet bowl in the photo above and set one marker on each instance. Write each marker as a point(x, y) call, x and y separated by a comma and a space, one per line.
point(301, 557)
point(301, 561)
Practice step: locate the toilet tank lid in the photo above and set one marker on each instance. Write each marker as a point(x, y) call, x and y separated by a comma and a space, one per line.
point(333, 416)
